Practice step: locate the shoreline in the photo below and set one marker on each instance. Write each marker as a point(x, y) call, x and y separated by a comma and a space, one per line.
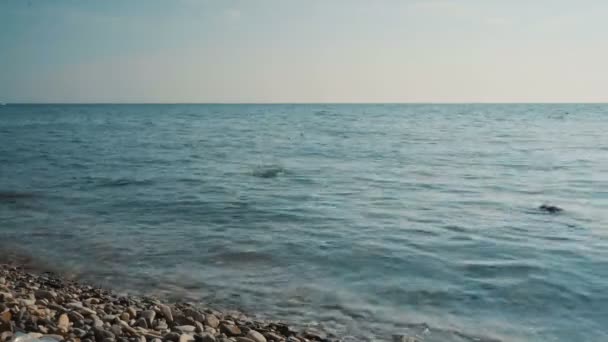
point(44, 305)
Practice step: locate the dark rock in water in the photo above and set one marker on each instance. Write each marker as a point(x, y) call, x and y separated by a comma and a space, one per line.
point(268, 171)
point(550, 208)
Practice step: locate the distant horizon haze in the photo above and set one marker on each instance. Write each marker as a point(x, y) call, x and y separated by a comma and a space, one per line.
point(272, 51)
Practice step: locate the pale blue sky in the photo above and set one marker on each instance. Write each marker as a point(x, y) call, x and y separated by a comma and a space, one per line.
point(304, 51)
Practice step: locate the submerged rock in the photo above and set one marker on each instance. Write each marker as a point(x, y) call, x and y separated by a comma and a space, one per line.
point(550, 208)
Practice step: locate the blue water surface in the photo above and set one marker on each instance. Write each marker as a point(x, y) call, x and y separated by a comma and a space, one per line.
point(361, 220)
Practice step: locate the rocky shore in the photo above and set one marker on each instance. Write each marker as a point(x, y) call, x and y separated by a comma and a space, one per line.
point(46, 307)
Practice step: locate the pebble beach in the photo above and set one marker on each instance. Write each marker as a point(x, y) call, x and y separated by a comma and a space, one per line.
point(43, 306)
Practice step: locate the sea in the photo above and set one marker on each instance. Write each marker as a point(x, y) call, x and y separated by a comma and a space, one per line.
point(362, 221)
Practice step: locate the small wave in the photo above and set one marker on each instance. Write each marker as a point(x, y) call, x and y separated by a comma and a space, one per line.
point(118, 182)
point(12, 196)
point(268, 171)
point(242, 257)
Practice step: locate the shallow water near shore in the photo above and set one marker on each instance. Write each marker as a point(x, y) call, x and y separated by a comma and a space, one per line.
point(362, 220)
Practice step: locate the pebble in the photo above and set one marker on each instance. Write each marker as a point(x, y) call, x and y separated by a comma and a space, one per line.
point(44, 294)
point(141, 322)
point(186, 338)
point(212, 321)
point(205, 337)
point(185, 329)
point(79, 332)
point(161, 325)
point(5, 336)
point(256, 336)
point(274, 337)
point(166, 311)
point(172, 336)
point(196, 315)
point(149, 315)
point(230, 329)
point(63, 322)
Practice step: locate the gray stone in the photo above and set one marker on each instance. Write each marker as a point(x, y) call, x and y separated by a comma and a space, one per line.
point(212, 321)
point(185, 329)
point(27, 302)
point(101, 333)
point(79, 332)
point(132, 312)
point(197, 316)
point(244, 339)
point(256, 336)
point(161, 325)
point(141, 322)
point(199, 327)
point(205, 337)
point(54, 337)
point(2, 280)
point(172, 336)
point(116, 329)
point(44, 294)
point(148, 315)
point(108, 339)
point(97, 322)
point(230, 329)
point(92, 300)
point(166, 311)
point(57, 307)
point(125, 327)
point(75, 316)
point(274, 337)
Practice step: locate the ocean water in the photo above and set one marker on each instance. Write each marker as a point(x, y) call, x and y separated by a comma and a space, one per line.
point(360, 220)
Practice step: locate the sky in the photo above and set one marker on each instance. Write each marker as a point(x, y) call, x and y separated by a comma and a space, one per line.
point(286, 51)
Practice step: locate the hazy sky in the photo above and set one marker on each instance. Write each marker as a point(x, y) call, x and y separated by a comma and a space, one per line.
point(304, 51)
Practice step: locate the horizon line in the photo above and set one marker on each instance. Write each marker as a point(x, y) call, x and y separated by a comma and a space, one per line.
point(289, 103)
